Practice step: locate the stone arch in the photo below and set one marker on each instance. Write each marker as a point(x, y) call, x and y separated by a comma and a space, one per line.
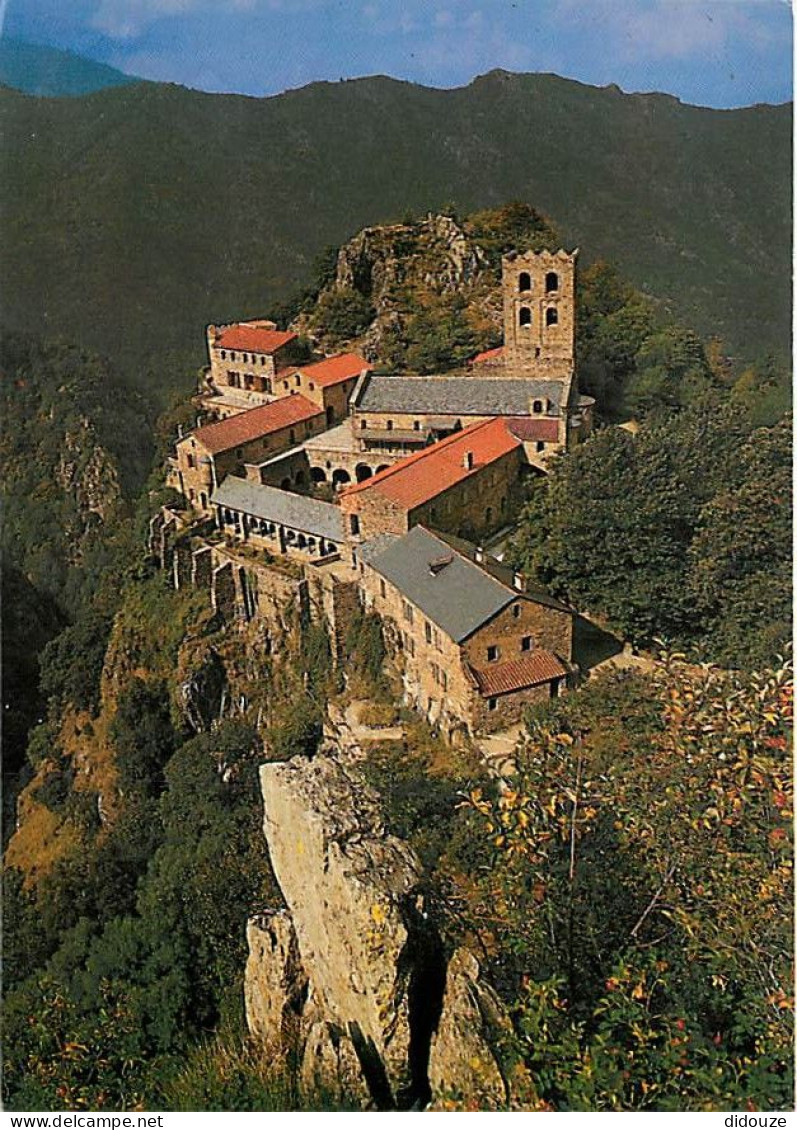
point(382, 467)
point(362, 472)
point(318, 475)
point(300, 478)
point(524, 282)
point(551, 282)
point(340, 478)
point(524, 316)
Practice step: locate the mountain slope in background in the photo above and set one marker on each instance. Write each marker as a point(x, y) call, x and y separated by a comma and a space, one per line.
point(136, 215)
point(49, 72)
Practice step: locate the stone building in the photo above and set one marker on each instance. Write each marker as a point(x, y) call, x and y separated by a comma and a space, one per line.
point(466, 483)
point(328, 383)
point(205, 456)
point(478, 643)
point(540, 314)
point(245, 358)
point(278, 521)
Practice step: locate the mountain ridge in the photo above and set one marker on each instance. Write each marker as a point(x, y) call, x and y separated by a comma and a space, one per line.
point(178, 208)
point(51, 72)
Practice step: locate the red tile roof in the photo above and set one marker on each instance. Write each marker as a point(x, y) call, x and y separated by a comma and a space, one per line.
point(253, 338)
point(254, 423)
point(534, 428)
point(427, 473)
point(488, 356)
point(333, 370)
point(529, 670)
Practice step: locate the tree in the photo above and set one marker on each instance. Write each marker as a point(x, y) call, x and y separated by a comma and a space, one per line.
point(638, 903)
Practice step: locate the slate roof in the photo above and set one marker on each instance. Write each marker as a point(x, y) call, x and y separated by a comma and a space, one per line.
point(427, 473)
point(253, 338)
point(453, 592)
point(247, 426)
point(370, 549)
point(307, 515)
point(529, 670)
point(503, 573)
point(455, 396)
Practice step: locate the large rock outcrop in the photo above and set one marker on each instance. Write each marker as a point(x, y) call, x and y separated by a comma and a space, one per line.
point(351, 983)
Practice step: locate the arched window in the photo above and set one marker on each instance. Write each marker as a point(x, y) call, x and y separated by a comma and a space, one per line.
point(524, 316)
point(551, 282)
point(537, 407)
point(524, 282)
point(551, 316)
point(223, 354)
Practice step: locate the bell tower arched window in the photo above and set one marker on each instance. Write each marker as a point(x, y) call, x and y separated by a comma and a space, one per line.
point(524, 316)
point(551, 282)
point(551, 316)
point(524, 282)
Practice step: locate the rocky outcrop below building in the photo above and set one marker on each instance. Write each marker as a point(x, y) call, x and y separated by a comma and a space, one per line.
point(351, 986)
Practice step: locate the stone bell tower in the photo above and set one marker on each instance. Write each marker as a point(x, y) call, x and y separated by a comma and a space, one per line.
point(539, 314)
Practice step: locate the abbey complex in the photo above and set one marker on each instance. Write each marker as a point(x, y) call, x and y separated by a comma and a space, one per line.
point(337, 486)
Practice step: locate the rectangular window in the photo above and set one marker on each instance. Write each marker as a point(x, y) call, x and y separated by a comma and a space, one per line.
point(526, 643)
point(382, 588)
point(428, 628)
point(492, 703)
point(516, 610)
point(492, 653)
point(444, 680)
point(407, 609)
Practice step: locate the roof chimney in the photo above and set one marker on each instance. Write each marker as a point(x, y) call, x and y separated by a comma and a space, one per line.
point(467, 461)
point(518, 581)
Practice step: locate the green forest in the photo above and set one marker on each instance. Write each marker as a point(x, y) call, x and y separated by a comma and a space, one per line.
point(629, 895)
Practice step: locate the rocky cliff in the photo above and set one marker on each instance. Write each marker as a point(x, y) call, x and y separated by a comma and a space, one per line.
point(396, 286)
point(352, 985)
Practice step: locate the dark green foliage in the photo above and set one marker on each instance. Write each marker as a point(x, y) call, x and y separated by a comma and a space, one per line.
point(439, 337)
point(30, 620)
point(56, 787)
point(636, 911)
point(356, 153)
point(143, 736)
point(71, 664)
point(671, 534)
point(166, 965)
point(344, 314)
point(365, 657)
point(295, 731)
point(516, 226)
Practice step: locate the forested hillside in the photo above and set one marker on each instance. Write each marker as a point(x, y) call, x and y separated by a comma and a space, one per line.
point(134, 216)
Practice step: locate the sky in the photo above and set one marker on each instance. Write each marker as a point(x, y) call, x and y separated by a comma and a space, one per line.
point(719, 53)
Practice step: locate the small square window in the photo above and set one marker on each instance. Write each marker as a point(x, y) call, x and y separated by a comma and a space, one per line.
point(492, 653)
point(492, 703)
point(526, 643)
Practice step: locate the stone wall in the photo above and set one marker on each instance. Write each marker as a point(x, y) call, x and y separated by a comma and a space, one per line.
point(483, 502)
